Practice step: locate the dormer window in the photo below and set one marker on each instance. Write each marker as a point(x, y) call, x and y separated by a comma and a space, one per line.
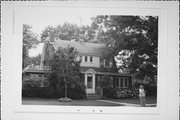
point(80, 58)
point(107, 63)
point(86, 58)
point(91, 59)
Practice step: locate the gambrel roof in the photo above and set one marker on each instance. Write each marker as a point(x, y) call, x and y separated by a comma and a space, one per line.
point(84, 48)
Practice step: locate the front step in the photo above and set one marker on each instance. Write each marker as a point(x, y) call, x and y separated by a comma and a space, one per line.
point(93, 96)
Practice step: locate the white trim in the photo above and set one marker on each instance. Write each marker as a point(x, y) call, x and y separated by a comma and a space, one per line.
point(105, 64)
point(90, 70)
point(122, 80)
point(93, 80)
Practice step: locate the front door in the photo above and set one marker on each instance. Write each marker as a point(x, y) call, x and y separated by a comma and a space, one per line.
point(90, 83)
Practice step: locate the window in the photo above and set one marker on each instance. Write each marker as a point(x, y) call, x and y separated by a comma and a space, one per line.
point(89, 82)
point(91, 59)
point(126, 82)
point(101, 62)
point(86, 58)
point(80, 58)
point(121, 82)
point(107, 63)
point(117, 82)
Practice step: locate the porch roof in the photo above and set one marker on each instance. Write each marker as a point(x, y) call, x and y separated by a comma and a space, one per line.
point(36, 71)
point(83, 70)
point(98, 71)
point(114, 74)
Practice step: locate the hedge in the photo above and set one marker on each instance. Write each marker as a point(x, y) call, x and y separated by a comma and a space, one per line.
point(151, 90)
point(117, 93)
point(120, 93)
point(47, 92)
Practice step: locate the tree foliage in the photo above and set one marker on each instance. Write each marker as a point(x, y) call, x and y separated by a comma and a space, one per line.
point(65, 68)
point(69, 31)
point(32, 60)
point(133, 40)
point(29, 41)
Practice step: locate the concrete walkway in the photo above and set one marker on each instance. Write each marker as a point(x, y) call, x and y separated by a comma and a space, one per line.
point(128, 104)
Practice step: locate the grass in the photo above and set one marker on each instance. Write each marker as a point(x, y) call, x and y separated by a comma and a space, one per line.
point(85, 102)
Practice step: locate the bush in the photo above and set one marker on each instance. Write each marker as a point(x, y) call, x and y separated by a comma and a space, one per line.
point(151, 90)
point(109, 92)
point(118, 93)
point(126, 93)
point(44, 92)
point(31, 81)
point(47, 92)
point(73, 93)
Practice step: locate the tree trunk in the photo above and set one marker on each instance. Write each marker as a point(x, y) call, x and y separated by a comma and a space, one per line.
point(65, 88)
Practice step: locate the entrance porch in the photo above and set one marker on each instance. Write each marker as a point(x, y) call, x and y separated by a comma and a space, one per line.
point(92, 80)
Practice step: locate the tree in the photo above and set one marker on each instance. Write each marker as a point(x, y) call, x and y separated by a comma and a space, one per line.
point(36, 60)
point(69, 31)
point(133, 40)
point(29, 41)
point(65, 68)
point(33, 60)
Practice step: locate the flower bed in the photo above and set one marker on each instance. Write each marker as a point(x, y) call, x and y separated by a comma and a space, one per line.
point(125, 93)
point(118, 93)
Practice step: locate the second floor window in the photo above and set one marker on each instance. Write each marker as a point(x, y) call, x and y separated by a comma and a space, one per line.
point(86, 58)
point(91, 59)
point(107, 63)
point(80, 58)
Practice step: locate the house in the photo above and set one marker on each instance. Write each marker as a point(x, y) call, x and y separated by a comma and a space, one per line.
point(94, 66)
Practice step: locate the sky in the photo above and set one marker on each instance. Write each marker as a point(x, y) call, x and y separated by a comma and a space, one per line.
point(38, 27)
point(39, 20)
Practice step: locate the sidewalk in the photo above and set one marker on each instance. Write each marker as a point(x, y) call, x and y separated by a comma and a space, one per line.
point(128, 104)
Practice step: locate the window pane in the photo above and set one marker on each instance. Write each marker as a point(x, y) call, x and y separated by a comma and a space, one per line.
point(85, 58)
point(89, 79)
point(122, 82)
point(107, 62)
point(89, 82)
point(89, 85)
point(80, 58)
point(117, 82)
point(126, 82)
point(114, 83)
point(91, 59)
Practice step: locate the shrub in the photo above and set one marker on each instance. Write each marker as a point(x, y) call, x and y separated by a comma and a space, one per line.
point(151, 90)
point(48, 92)
point(65, 100)
point(73, 93)
point(119, 93)
point(105, 82)
point(31, 88)
point(109, 92)
point(44, 92)
point(126, 93)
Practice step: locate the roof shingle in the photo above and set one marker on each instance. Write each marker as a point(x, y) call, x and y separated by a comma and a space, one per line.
point(84, 48)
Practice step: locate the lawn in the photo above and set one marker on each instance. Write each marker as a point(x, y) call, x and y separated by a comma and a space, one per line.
point(85, 102)
point(88, 102)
